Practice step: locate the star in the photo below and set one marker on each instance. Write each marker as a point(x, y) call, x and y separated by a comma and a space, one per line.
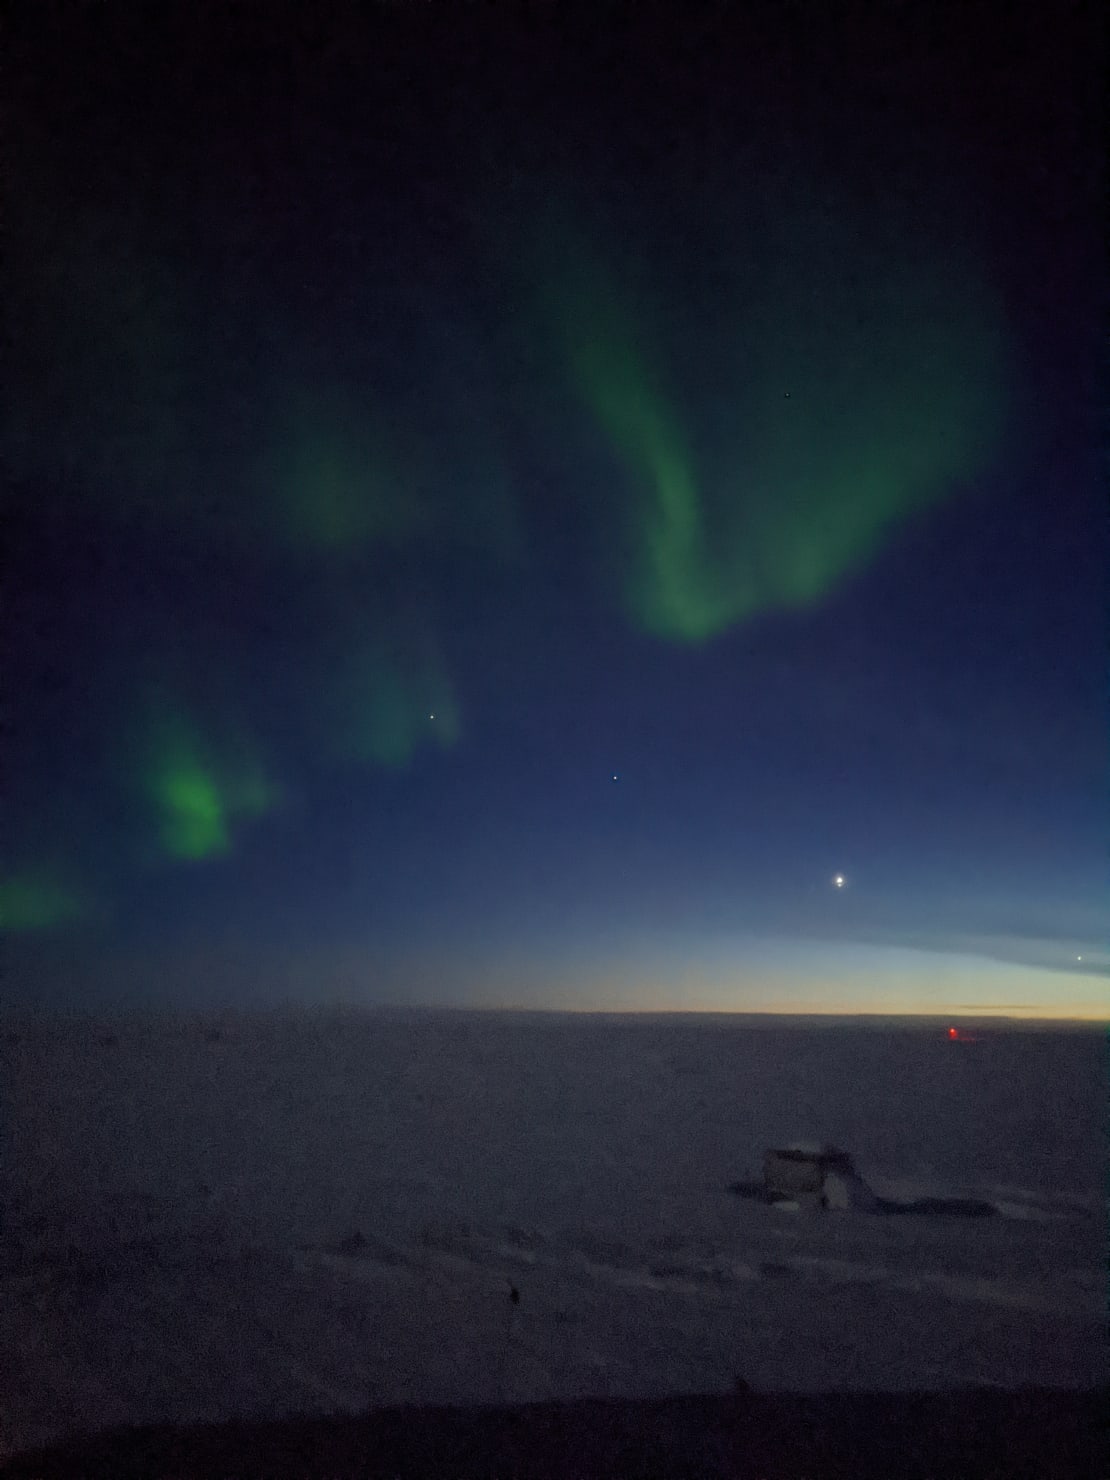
point(839, 880)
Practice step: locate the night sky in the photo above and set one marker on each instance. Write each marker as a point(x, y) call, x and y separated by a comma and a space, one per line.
point(502, 509)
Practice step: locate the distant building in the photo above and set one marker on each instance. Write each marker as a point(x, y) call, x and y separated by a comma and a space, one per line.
point(820, 1175)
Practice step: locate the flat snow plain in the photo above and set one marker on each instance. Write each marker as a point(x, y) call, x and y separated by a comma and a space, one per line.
point(306, 1211)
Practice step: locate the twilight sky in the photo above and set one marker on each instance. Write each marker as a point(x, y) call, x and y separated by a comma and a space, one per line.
point(507, 511)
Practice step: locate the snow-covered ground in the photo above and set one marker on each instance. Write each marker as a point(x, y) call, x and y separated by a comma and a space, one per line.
point(321, 1210)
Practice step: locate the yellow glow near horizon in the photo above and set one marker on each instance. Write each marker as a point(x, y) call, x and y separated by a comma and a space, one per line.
point(925, 984)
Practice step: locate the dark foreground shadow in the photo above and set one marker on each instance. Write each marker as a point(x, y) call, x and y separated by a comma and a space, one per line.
point(885, 1207)
point(864, 1436)
point(952, 1207)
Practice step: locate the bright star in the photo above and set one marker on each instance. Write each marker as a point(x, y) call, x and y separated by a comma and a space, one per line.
point(839, 881)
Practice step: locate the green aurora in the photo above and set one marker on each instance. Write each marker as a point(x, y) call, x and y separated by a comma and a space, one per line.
point(853, 383)
point(845, 378)
point(199, 794)
point(39, 900)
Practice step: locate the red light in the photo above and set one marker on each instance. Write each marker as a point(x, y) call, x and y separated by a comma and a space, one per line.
point(952, 1033)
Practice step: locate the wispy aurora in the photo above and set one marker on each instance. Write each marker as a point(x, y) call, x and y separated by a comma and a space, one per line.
point(387, 477)
point(40, 899)
point(334, 482)
point(859, 378)
point(199, 793)
point(385, 706)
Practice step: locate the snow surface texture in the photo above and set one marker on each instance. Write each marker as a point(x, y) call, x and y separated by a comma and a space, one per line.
point(303, 1212)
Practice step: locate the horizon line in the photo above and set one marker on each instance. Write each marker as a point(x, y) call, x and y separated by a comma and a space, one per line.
point(293, 1005)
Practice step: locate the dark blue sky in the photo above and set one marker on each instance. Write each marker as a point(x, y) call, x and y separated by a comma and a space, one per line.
point(421, 420)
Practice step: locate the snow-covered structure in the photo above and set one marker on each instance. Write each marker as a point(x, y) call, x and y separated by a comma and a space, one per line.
point(820, 1175)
